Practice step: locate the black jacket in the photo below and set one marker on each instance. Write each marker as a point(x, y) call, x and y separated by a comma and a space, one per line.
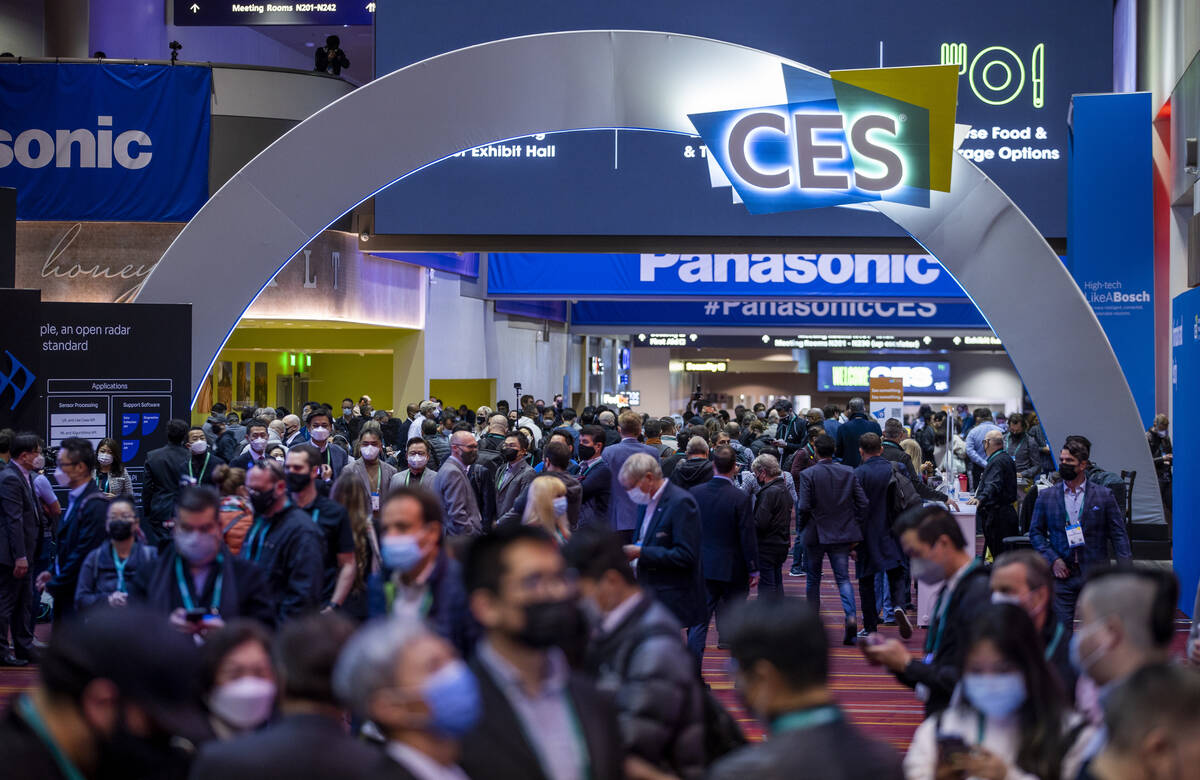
point(895, 453)
point(290, 553)
point(336, 538)
point(773, 521)
point(880, 551)
point(972, 594)
point(998, 484)
point(243, 588)
point(164, 468)
point(227, 447)
point(498, 750)
point(728, 542)
point(849, 434)
point(80, 532)
point(98, 575)
point(692, 472)
point(928, 441)
point(202, 467)
point(669, 565)
point(298, 746)
point(20, 522)
point(647, 672)
point(596, 480)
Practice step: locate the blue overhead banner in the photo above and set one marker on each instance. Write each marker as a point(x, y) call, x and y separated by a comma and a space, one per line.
point(1185, 417)
point(1110, 228)
point(461, 263)
point(585, 276)
point(780, 314)
point(105, 142)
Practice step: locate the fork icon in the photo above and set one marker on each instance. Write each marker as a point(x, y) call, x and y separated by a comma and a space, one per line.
point(955, 54)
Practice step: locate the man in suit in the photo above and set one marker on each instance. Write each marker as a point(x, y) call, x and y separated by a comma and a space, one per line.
point(934, 543)
point(880, 551)
point(203, 461)
point(1073, 525)
point(82, 528)
point(835, 503)
point(453, 486)
point(309, 740)
point(556, 459)
point(623, 513)
point(333, 458)
point(728, 548)
point(424, 737)
point(491, 444)
point(165, 468)
point(515, 473)
point(666, 543)
point(850, 432)
point(20, 523)
point(258, 435)
point(596, 479)
point(996, 494)
point(782, 658)
point(540, 721)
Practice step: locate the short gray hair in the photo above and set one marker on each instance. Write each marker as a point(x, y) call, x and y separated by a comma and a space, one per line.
point(607, 418)
point(1130, 599)
point(893, 429)
point(697, 446)
point(637, 466)
point(367, 664)
point(427, 406)
point(768, 464)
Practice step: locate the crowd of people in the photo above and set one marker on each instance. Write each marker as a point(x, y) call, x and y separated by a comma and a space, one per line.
point(527, 593)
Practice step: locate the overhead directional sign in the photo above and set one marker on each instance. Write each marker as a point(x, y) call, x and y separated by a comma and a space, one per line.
point(846, 341)
point(211, 13)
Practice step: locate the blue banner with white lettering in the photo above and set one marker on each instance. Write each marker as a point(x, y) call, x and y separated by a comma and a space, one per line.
point(105, 142)
point(780, 314)
point(1185, 417)
point(593, 276)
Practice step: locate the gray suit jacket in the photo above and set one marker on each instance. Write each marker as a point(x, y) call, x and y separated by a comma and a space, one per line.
point(18, 518)
point(454, 489)
point(509, 486)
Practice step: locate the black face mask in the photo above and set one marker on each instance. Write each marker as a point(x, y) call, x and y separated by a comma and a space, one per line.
point(120, 530)
point(298, 482)
point(549, 622)
point(586, 452)
point(509, 454)
point(123, 755)
point(262, 501)
point(1068, 472)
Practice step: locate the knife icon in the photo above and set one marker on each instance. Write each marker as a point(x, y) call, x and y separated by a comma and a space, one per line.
point(1038, 69)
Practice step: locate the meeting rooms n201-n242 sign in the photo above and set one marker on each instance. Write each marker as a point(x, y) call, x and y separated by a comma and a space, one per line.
point(1018, 63)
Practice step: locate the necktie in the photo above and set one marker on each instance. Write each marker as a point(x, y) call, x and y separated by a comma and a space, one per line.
point(641, 517)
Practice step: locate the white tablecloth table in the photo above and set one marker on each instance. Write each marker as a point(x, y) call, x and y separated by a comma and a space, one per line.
point(927, 594)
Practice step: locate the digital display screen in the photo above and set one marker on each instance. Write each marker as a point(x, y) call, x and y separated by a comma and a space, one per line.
point(1019, 63)
point(926, 378)
point(212, 13)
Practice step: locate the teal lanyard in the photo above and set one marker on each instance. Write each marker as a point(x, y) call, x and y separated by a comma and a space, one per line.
point(107, 479)
point(316, 515)
point(207, 455)
point(1050, 648)
point(933, 641)
point(31, 717)
point(186, 593)
point(120, 566)
point(806, 719)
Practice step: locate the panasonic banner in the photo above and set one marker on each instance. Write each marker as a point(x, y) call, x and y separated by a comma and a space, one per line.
point(107, 142)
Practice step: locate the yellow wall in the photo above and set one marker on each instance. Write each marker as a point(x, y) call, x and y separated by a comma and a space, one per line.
point(472, 392)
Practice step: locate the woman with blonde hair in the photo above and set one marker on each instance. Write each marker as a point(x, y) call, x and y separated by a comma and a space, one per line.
point(350, 491)
point(547, 507)
point(481, 420)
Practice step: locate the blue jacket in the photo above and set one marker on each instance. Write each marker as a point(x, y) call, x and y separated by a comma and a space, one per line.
point(669, 565)
point(833, 503)
point(728, 546)
point(848, 435)
point(1101, 520)
point(623, 512)
point(879, 551)
point(447, 615)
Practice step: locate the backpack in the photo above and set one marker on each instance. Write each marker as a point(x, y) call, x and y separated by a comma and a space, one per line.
point(722, 734)
point(901, 492)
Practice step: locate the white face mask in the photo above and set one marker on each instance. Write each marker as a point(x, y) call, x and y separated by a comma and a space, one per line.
point(369, 451)
point(258, 445)
point(320, 433)
point(638, 496)
point(61, 477)
point(1007, 598)
point(243, 703)
point(560, 505)
point(200, 447)
point(39, 463)
point(104, 459)
point(417, 461)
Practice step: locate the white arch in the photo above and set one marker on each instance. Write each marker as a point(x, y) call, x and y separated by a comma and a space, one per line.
point(553, 82)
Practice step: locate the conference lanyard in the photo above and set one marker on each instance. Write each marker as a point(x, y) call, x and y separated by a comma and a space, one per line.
point(120, 566)
point(203, 468)
point(38, 727)
point(934, 642)
point(186, 593)
point(806, 719)
point(107, 479)
point(316, 515)
point(257, 531)
point(1050, 648)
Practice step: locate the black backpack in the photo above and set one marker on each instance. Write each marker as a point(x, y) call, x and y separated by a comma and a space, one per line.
point(902, 493)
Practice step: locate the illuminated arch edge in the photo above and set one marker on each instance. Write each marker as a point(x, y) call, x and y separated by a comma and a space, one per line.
point(503, 90)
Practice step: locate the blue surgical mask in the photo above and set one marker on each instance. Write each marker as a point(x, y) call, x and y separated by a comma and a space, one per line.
point(400, 553)
point(452, 695)
point(1080, 664)
point(926, 571)
point(995, 695)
